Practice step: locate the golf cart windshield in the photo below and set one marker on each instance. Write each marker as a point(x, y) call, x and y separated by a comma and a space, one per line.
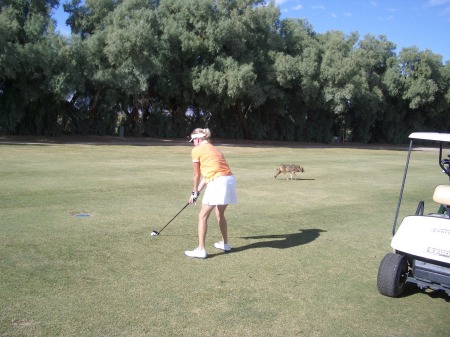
point(430, 136)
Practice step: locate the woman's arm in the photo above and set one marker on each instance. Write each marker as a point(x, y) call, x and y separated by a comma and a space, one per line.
point(197, 174)
point(201, 185)
point(198, 184)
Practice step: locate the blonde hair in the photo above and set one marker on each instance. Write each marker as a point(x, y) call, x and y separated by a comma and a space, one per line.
point(206, 132)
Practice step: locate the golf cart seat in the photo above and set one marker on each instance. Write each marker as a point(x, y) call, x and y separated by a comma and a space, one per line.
point(442, 196)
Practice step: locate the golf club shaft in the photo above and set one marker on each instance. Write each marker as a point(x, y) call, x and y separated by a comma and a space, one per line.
point(174, 217)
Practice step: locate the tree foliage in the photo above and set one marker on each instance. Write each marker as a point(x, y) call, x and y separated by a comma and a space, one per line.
point(163, 67)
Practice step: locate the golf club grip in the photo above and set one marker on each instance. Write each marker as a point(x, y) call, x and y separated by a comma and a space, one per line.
point(174, 217)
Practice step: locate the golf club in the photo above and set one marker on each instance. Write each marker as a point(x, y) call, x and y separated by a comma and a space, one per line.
point(156, 233)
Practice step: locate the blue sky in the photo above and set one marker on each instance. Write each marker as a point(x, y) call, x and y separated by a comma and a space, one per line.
point(421, 23)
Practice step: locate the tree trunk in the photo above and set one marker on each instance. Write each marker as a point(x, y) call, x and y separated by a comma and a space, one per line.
point(238, 110)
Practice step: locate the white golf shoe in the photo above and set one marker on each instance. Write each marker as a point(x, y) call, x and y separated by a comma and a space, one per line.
point(222, 246)
point(197, 253)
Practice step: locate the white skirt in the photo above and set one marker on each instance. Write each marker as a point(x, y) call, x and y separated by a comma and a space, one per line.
point(221, 191)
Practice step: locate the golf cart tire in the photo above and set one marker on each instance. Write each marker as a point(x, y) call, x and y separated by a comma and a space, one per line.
point(392, 275)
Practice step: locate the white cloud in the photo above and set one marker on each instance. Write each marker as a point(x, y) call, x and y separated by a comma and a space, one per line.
point(433, 3)
point(444, 6)
point(318, 7)
point(333, 15)
point(298, 7)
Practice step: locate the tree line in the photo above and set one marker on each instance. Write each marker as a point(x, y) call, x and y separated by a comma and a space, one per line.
point(160, 68)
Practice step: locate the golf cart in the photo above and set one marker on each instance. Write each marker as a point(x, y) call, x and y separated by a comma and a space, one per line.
point(422, 242)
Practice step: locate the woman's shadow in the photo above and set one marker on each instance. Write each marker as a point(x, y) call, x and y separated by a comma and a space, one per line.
point(281, 241)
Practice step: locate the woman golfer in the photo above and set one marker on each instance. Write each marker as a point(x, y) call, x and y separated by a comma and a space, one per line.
point(211, 170)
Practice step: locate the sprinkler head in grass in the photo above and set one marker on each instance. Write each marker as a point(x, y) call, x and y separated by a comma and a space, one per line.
point(154, 233)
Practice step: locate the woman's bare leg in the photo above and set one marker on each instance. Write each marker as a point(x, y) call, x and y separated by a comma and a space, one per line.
point(220, 215)
point(203, 224)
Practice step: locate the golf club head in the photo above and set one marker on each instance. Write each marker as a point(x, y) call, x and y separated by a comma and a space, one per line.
point(154, 233)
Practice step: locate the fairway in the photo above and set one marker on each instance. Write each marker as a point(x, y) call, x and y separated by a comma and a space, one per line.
point(305, 252)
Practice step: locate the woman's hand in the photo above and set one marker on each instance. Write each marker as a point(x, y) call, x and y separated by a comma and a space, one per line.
point(194, 196)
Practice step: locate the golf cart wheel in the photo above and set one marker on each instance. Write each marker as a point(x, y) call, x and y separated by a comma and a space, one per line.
point(392, 274)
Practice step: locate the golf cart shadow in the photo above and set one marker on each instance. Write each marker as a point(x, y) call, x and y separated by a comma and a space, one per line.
point(411, 290)
point(281, 241)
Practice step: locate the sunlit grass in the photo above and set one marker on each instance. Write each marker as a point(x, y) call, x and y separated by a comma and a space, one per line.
point(305, 252)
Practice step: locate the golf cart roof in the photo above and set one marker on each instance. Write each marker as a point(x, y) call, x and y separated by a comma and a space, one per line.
point(439, 137)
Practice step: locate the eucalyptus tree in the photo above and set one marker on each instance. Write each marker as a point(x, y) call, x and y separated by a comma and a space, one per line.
point(446, 90)
point(88, 74)
point(214, 60)
point(88, 16)
point(131, 48)
point(421, 72)
point(441, 122)
point(297, 68)
point(28, 52)
point(338, 81)
point(368, 103)
point(235, 82)
point(182, 30)
point(95, 97)
point(416, 96)
point(389, 126)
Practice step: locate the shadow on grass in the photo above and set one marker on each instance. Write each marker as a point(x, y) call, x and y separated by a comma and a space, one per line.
point(297, 179)
point(281, 241)
point(412, 289)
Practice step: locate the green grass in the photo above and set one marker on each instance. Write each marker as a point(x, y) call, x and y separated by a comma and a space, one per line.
point(305, 260)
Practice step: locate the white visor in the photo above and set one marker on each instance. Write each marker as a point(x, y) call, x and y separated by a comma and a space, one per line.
point(197, 135)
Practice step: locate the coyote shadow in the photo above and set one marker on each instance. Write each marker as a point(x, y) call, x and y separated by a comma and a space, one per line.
point(281, 241)
point(302, 179)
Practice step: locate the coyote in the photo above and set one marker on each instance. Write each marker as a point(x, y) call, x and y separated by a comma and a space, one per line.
point(288, 168)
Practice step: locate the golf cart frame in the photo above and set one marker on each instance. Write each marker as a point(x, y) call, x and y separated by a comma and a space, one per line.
point(422, 242)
